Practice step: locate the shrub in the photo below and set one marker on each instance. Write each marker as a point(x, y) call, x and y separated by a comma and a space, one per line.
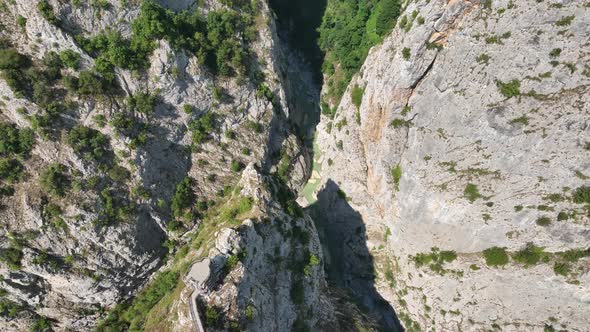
point(119, 174)
point(90, 84)
point(11, 59)
point(398, 123)
point(483, 58)
point(212, 316)
point(12, 258)
point(529, 255)
point(14, 140)
point(71, 83)
point(471, 192)
point(143, 102)
point(582, 195)
point(188, 109)
point(201, 128)
point(396, 174)
point(41, 324)
point(561, 268)
point(231, 263)
point(495, 256)
point(562, 216)
point(555, 52)
point(448, 256)
point(543, 221)
point(183, 197)
point(254, 126)
point(10, 170)
point(510, 89)
point(406, 53)
point(46, 11)
point(565, 21)
point(357, 95)
point(89, 142)
point(70, 58)
point(249, 312)
point(236, 165)
point(53, 180)
point(573, 255)
point(22, 22)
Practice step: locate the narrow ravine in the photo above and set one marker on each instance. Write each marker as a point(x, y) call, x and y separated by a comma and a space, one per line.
point(349, 266)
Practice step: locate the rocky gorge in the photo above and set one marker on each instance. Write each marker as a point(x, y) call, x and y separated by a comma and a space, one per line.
point(337, 165)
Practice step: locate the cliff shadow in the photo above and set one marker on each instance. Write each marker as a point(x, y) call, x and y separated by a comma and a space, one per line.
point(349, 264)
point(298, 24)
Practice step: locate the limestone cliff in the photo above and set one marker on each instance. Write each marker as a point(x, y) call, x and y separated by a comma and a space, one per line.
point(467, 160)
point(137, 130)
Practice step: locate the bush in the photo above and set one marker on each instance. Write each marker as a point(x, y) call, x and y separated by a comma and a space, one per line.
point(561, 268)
point(582, 195)
point(53, 66)
point(212, 316)
point(10, 170)
point(398, 123)
point(91, 84)
point(89, 142)
point(529, 255)
point(46, 11)
point(119, 174)
point(201, 128)
point(249, 312)
point(573, 255)
point(357, 95)
point(11, 59)
point(9, 308)
point(236, 165)
point(471, 192)
point(70, 58)
point(143, 102)
point(406, 53)
point(510, 89)
point(12, 258)
point(183, 197)
point(543, 221)
point(53, 180)
point(21, 22)
point(495, 256)
point(14, 140)
point(254, 126)
point(396, 174)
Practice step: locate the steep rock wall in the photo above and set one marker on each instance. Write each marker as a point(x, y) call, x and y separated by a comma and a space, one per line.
point(472, 133)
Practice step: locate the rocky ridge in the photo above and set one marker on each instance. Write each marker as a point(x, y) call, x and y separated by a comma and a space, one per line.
point(68, 276)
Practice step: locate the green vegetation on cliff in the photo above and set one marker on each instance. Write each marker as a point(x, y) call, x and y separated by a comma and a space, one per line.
point(349, 29)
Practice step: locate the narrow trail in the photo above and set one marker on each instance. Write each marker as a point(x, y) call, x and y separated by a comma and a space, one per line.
point(196, 278)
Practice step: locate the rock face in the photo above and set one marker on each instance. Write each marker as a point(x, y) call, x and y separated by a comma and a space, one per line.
point(473, 133)
point(277, 281)
point(70, 275)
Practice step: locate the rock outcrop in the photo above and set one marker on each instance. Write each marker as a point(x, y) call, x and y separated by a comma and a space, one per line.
point(473, 134)
point(71, 274)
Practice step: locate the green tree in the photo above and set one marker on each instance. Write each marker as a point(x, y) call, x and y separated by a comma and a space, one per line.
point(388, 14)
point(89, 142)
point(53, 179)
point(70, 58)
